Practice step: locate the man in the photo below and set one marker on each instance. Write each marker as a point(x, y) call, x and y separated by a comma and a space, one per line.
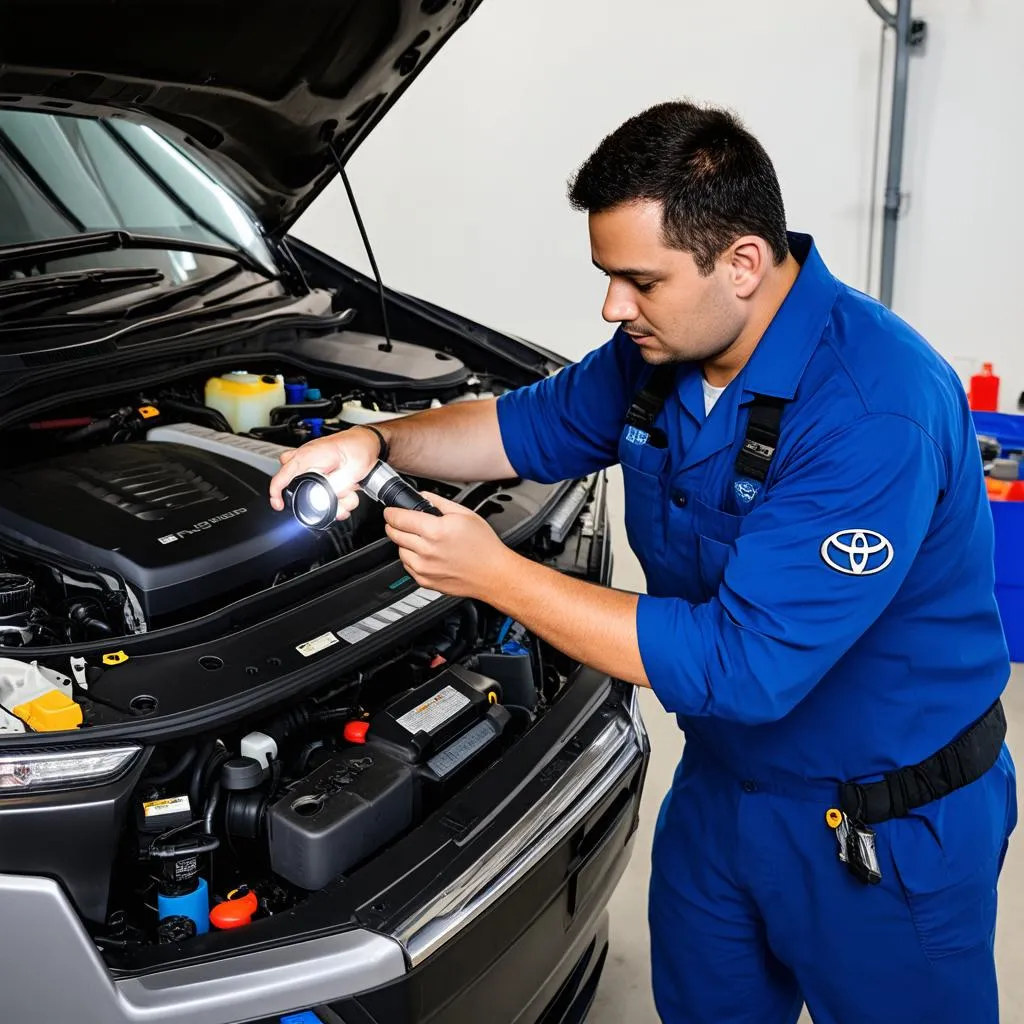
point(805, 493)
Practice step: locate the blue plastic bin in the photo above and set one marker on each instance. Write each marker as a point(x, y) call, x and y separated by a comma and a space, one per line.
point(1008, 517)
point(1006, 428)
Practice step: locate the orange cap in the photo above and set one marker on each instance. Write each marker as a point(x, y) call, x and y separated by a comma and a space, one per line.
point(236, 910)
point(355, 732)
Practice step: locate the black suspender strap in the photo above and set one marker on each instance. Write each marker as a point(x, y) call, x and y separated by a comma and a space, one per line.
point(648, 402)
point(763, 423)
point(762, 438)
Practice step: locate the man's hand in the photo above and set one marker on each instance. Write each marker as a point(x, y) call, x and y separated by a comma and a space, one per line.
point(346, 458)
point(456, 553)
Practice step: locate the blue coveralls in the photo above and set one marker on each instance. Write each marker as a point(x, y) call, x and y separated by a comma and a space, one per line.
point(791, 671)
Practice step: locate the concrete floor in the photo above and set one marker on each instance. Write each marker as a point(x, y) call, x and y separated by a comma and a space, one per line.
point(625, 991)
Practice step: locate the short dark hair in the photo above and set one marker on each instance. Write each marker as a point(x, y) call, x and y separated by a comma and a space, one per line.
point(714, 180)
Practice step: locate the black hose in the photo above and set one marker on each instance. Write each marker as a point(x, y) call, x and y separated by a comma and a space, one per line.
point(213, 418)
point(467, 633)
point(307, 752)
point(324, 408)
point(285, 725)
point(175, 770)
point(196, 786)
point(332, 714)
point(211, 806)
point(84, 433)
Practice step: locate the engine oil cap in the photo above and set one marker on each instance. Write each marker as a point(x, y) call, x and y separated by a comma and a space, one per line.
point(355, 732)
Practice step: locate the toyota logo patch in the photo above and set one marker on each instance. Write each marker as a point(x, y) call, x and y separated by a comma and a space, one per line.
point(857, 552)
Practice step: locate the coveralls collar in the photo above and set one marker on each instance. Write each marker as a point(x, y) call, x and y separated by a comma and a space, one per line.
point(778, 361)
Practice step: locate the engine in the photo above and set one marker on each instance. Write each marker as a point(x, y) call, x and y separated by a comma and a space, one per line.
point(160, 529)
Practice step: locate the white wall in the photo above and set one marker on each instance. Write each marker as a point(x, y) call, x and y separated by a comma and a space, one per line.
point(463, 185)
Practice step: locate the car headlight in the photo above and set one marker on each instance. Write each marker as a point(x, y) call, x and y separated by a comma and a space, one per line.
point(30, 772)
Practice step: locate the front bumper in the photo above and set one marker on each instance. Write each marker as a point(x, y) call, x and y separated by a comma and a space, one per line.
point(513, 928)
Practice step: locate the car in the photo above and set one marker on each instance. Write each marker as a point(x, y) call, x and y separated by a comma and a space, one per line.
point(249, 770)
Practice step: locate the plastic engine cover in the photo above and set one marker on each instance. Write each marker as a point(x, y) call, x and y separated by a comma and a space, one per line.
point(181, 526)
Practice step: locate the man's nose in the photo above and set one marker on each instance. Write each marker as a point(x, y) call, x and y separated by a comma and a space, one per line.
point(619, 306)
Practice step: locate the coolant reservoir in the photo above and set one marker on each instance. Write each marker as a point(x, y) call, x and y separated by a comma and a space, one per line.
point(245, 399)
point(41, 697)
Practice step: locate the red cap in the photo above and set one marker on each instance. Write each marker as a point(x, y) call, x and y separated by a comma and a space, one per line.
point(235, 911)
point(355, 732)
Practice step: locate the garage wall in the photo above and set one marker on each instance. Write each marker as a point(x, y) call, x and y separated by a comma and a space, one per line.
point(462, 187)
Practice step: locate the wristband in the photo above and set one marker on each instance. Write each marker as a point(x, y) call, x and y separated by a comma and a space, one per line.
point(384, 449)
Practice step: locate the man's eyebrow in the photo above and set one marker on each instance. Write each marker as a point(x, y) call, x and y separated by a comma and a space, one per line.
point(624, 271)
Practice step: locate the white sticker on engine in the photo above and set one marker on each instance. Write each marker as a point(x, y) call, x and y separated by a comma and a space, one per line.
point(172, 805)
point(433, 713)
point(317, 644)
point(353, 634)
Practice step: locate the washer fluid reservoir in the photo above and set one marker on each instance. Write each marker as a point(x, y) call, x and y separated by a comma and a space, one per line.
point(245, 399)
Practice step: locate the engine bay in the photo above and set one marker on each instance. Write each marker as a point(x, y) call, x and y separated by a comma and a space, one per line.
point(149, 510)
point(138, 521)
point(232, 828)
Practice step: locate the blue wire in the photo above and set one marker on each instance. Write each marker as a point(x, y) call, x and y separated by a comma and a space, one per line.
point(505, 627)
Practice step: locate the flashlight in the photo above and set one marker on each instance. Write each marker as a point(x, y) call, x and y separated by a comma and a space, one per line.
point(383, 484)
point(314, 501)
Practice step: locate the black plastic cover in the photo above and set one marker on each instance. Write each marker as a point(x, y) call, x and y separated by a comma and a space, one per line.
point(426, 719)
point(336, 817)
point(181, 526)
point(365, 358)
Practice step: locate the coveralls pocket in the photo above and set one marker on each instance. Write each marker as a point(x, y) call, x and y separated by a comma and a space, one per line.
point(642, 468)
point(716, 532)
point(947, 856)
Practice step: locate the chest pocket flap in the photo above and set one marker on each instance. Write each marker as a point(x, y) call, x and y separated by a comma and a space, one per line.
point(716, 531)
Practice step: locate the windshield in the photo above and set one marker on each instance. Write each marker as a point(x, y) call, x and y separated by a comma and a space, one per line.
point(62, 176)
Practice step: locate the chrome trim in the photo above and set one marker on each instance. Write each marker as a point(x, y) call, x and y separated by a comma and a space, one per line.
point(583, 785)
point(633, 708)
point(41, 928)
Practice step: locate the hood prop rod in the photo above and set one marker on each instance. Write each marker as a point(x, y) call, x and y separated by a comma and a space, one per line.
point(386, 347)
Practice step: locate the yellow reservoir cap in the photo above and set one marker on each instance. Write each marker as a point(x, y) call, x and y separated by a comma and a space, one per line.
point(50, 712)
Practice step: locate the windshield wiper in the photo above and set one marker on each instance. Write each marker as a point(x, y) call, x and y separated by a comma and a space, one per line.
point(21, 253)
point(20, 293)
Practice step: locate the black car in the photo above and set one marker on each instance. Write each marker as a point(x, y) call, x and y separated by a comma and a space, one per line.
point(248, 770)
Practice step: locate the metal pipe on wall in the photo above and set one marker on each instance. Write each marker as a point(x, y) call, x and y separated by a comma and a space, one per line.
point(909, 35)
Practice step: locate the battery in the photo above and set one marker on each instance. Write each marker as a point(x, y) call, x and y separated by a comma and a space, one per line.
point(158, 816)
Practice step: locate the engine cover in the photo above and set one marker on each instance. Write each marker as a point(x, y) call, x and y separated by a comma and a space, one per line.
point(181, 526)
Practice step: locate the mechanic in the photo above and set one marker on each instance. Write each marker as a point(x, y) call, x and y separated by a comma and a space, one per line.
point(805, 493)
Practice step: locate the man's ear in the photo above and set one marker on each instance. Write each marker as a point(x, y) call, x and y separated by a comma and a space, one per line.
point(749, 258)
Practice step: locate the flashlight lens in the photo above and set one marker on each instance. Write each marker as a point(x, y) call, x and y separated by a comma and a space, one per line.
point(318, 498)
point(313, 503)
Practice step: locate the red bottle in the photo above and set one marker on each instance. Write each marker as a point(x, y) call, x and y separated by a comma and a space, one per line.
point(984, 393)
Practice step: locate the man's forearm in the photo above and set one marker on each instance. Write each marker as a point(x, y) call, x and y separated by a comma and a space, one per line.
point(589, 623)
point(459, 442)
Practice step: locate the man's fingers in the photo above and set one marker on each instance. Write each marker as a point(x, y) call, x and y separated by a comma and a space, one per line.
point(408, 521)
point(406, 541)
point(281, 479)
point(445, 506)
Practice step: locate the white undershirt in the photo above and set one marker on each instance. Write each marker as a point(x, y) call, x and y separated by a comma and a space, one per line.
point(711, 395)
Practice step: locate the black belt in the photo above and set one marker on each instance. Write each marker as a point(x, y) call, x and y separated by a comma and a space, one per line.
point(957, 764)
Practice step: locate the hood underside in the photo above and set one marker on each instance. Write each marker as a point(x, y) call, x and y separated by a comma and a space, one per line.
point(259, 90)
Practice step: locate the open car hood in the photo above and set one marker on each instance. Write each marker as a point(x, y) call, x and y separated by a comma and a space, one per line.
point(258, 90)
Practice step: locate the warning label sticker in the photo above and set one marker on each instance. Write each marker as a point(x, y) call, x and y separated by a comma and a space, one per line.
point(318, 643)
point(433, 713)
point(173, 805)
point(463, 748)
